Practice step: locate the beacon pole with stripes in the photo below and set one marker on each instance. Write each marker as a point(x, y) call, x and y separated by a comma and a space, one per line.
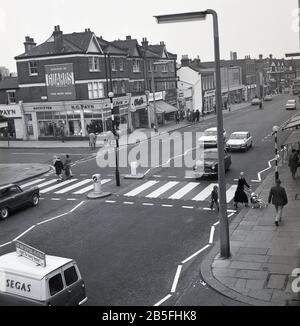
point(115, 132)
point(275, 133)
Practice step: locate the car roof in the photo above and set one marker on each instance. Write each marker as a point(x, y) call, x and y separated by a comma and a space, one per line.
point(211, 129)
point(240, 133)
point(20, 265)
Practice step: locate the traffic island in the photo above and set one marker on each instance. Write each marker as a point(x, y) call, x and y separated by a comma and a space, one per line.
point(134, 174)
point(97, 193)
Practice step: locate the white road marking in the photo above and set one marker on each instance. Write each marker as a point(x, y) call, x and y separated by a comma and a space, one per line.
point(163, 300)
point(195, 254)
point(6, 244)
point(157, 176)
point(217, 223)
point(169, 206)
point(110, 201)
point(77, 185)
point(205, 193)
point(128, 203)
point(211, 237)
point(47, 183)
point(89, 188)
point(32, 183)
point(21, 235)
point(141, 188)
point(163, 189)
point(59, 185)
point(176, 279)
point(53, 218)
point(230, 193)
point(55, 199)
point(188, 207)
point(77, 206)
point(183, 191)
point(147, 204)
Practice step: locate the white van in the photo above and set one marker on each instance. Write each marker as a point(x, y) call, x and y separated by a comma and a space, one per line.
point(24, 282)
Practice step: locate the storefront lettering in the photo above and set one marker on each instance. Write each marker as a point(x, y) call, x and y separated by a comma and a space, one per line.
point(42, 108)
point(139, 101)
point(60, 79)
point(8, 112)
point(18, 285)
point(82, 106)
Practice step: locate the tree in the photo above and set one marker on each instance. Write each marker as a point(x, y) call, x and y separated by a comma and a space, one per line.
point(4, 72)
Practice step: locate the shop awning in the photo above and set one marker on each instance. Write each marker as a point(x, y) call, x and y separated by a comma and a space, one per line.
point(162, 106)
point(294, 122)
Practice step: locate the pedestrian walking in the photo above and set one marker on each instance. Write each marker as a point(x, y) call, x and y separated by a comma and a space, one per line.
point(92, 140)
point(67, 167)
point(240, 195)
point(279, 199)
point(177, 117)
point(197, 115)
point(214, 198)
point(58, 165)
point(294, 162)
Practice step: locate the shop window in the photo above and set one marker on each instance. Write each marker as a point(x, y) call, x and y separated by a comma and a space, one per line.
point(32, 65)
point(94, 64)
point(115, 87)
point(96, 90)
point(55, 284)
point(11, 97)
point(164, 68)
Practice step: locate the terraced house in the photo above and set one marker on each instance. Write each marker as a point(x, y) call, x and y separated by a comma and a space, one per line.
point(63, 85)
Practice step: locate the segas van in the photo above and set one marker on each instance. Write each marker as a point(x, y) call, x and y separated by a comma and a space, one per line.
point(28, 277)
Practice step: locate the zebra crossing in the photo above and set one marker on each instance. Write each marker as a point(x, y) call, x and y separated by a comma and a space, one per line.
point(72, 186)
point(194, 191)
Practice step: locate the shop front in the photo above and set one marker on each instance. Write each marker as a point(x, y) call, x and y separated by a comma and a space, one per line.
point(138, 112)
point(14, 126)
point(209, 101)
point(72, 120)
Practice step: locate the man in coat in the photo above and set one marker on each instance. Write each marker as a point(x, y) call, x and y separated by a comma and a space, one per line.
point(279, 200)
point(293, 163)
point(59, 168)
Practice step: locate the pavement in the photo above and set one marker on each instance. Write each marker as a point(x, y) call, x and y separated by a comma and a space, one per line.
point(125, 139)
point(263, 256)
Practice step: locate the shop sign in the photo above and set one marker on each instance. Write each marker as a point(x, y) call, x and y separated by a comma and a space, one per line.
point(60, 82)
point(83, 107)
point(3, 124)
point(10, 111)
point(42, 108)
point(159, 96)
point(31, 253)
point(209, 93)
point(138, 102)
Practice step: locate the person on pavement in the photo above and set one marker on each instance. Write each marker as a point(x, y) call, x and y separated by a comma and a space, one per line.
point(240, 195)
point(92, 140)
point(214, 198)
point(293, 163)
point(59, 168)
point(67, 167)
point(197, 115)
point(279, 199)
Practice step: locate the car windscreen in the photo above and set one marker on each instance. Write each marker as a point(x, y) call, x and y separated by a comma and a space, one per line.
point(211, 156)
point(238, 136)
point(210, 133)
point(291, 102)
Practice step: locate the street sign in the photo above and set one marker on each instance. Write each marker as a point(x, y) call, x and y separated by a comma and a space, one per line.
point(31, 253)
point(3, 124)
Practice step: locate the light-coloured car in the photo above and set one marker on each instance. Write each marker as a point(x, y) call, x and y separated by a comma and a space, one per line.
point(210, 137)
point(241, 140)
point(291, 105)
point(256, 101)
point(268, 98)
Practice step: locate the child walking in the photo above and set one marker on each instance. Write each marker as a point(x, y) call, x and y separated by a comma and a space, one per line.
point(214, 198)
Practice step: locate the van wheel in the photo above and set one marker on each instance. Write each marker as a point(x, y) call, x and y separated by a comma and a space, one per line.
point(4, 213)
point(35, 200)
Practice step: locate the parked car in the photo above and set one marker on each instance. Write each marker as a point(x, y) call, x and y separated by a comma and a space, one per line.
point(210, 137)
point(291, 105)
point(209, 165)
point(12, 197)
point(241, 140)
point(256, 101)
point(268, 97)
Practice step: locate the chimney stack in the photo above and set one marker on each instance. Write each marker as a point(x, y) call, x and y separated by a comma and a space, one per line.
point(29, 43)
point(145, 43)
point(185, 61)
point(260, 57)
point(87, 30)
point(162, 43)
point(197, 61)
point(128, 37)
point(271, 56)
point(58, 39)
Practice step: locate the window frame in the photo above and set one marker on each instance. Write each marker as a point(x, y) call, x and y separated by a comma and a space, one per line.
point(122, 65)
point(92, 90)
point(65, 270)
point(30, 67)
point(136, 66)
point(93, 62)
point(9, 97)
point(63, 283)
point(113, 64)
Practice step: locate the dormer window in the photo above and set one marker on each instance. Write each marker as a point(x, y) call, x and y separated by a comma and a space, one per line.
point(32, 65)
point(94, 64)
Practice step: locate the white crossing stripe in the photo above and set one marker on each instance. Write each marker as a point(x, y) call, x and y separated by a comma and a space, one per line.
point(140, 189)
point(89, 188)
point(163, 189)
point(185, 190)
point(205, 193)
point(32, 183)
point(47, 183)
point(74, 186)
point(61, 184)
point(230, 193)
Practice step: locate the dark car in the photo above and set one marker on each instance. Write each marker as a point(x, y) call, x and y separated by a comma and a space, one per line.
point(12, 197)
point(211, 161)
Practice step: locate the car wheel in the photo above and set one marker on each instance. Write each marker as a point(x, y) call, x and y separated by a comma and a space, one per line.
point(4, 213)
point(35, 200)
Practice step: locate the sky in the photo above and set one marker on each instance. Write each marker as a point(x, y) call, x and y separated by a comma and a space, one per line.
point(247, 27)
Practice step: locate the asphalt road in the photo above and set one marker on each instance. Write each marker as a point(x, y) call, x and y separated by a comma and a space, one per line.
point(129, 248)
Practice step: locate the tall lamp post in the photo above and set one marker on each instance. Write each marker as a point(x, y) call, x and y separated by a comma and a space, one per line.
point(116, 134)
point(275, 133)
point(196, 16)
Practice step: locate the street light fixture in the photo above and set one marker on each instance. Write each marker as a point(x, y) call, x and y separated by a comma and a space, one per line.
point(196, 16)
point(115, 133)
point(275, 132)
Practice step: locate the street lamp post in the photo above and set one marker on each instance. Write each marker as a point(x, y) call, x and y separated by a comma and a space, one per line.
point(275, 133)
point(115, 132)
point(201, 15)
point(153, 92)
